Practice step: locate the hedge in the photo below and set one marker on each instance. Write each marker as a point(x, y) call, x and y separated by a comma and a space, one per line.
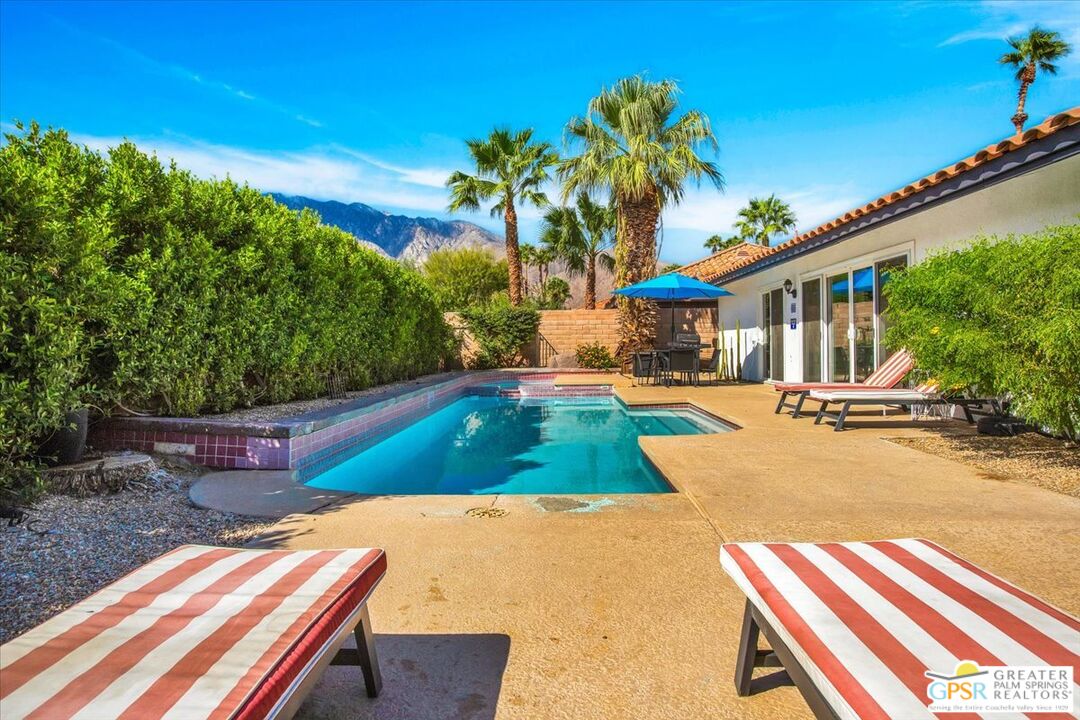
point(127, 284)
point(1001, 317)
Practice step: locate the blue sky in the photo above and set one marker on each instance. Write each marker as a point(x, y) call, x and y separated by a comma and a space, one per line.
point(827, 104)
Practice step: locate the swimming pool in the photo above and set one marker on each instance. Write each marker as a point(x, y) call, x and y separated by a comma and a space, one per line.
point(480, 445)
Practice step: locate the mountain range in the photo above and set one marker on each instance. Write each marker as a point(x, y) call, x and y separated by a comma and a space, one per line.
point(411, 239)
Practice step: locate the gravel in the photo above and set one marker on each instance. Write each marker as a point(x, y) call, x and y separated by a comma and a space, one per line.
point(1029, 458)
point(68, 547)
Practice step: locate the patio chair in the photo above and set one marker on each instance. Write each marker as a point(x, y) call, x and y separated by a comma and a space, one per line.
point(712, 367)
point(889, 375)
point(200, 632)
point(863, 628)
point(645, 366)
point(685, 363)
point(926, 394)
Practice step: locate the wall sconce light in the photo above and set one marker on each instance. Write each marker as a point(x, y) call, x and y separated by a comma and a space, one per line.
point(789, 289)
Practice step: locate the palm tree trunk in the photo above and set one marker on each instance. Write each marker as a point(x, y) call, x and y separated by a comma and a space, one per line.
point(590, 284)
point(513, 253)
point(635, 259)
point(1021, 117)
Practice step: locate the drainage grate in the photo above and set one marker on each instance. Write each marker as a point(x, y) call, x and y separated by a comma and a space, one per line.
point(486, 512)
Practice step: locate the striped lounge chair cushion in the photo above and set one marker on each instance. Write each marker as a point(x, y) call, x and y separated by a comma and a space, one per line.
point(867, 619)
point(201, 632)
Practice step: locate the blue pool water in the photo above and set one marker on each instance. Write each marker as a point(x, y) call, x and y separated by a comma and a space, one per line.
point(485, 445)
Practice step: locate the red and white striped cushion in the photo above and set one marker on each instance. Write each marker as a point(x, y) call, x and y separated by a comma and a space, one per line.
point(867, 619)
point(201, 632)
point(891, 372)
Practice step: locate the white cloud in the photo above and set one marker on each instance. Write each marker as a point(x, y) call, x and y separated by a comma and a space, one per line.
point(1005, 18)
point(428, 177)
point(322, 174)
point(707, 211)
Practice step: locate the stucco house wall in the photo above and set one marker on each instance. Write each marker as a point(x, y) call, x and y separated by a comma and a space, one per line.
point(1048, 195)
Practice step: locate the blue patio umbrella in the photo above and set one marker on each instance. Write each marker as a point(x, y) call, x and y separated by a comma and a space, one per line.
point(672, 287)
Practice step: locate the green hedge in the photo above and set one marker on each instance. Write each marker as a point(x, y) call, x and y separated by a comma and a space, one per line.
point(126, 283)
point(501, 331)
point(1000, 317)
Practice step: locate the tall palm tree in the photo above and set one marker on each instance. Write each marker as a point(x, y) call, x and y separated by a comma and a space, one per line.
point(764, 217)
point(633, 149)
point(510, 168)
point(1036, 50)
point(527, 253)
point(581, 236)
point(544, 257)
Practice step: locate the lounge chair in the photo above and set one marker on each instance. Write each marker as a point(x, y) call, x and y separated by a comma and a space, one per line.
point(200, 632)
point(889, 375)
point(925, 394)
point(859, 625)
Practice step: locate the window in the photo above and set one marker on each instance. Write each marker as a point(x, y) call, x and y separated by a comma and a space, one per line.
point(811, 321)
point(882, 270)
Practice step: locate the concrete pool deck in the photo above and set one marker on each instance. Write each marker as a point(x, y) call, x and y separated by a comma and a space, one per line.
point(615, 607)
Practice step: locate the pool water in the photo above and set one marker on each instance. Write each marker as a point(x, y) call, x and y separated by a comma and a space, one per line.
point(481, 445)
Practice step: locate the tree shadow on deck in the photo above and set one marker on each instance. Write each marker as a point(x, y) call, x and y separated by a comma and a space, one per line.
point(456, 677)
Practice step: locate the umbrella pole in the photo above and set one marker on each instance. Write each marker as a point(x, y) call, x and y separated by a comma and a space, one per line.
point(672, 322)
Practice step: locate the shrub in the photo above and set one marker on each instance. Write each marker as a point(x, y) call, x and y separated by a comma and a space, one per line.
point(595, 356)
point(553, 294)
point(464, 276)
point(500, 331)
point(126, 283)
point(1000, 317)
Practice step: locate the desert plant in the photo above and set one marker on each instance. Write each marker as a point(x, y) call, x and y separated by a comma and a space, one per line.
point(595, 356)
point(634, 150)
point(1001, 317)
point(510, 169)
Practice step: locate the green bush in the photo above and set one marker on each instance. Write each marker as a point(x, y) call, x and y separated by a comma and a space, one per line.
point(126, 283)
point(464, 276)
point(999, 317)
point(500, 331)
point(595, 356)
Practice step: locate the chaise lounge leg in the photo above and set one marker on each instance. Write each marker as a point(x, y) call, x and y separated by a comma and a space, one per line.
point(843, 416)
point(798, 405)
point(780, 405)
point(748, 641)
point(369, 660)
point(821, 412)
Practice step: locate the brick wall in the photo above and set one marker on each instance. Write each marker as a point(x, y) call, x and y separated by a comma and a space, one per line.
point(561, 331)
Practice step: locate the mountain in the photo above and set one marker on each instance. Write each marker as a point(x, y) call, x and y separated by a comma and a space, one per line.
point(399, 236)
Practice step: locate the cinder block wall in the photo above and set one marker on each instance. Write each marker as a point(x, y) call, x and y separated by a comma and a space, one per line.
point(561, 331)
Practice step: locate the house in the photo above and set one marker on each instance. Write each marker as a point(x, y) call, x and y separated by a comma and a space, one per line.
point(810, 309)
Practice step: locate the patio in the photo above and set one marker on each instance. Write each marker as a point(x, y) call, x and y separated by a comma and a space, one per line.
point(592, 607)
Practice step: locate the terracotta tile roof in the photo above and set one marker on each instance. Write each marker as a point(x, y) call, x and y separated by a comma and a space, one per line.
point(727, 259)
point(1051, 125)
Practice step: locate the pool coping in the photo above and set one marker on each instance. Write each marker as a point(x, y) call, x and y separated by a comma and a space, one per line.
point(298, 442)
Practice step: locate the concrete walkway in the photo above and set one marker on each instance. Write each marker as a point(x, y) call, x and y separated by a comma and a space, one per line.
point(615, 607)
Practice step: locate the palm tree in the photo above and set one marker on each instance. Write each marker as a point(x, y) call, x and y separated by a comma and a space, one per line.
point(581, 237)
point(527, 252)
point(510, 168)
point(639, 155)
point(1036, 50)
point(716, 243)
point(544, 257)
point(764, 217)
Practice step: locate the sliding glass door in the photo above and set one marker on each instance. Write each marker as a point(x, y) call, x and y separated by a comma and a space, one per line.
point(856, 327)
point(772, 315)
point(811, 324)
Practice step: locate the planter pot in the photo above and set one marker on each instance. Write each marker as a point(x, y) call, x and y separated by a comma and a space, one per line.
point(68, 443)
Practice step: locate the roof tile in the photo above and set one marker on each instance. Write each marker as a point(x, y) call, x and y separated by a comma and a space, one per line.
point(727, 261)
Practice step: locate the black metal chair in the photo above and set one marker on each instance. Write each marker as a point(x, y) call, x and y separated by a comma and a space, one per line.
point(645, 366)
point(712, 367)
point(685, 363)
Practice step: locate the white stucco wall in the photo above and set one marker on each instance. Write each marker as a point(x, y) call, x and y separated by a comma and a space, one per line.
point(1046, 196)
